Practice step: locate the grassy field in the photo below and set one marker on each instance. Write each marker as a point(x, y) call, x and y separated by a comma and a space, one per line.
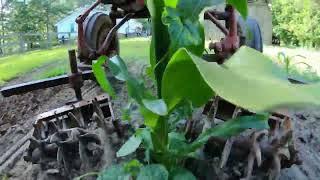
point(17, 65)
point(54, 62)
point(13, 66)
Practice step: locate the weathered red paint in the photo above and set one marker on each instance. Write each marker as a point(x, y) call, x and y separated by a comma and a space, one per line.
point(228, 45)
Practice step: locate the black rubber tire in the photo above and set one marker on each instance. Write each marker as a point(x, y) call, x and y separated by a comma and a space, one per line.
point(96, 29)
point(251, 32)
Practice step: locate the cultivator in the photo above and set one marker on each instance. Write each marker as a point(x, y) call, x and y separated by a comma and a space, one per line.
point(74, 139)
point(80, 137)
point(271, 149)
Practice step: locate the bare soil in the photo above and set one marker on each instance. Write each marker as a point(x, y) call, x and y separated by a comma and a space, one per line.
point(307, 130)
point(17, 115)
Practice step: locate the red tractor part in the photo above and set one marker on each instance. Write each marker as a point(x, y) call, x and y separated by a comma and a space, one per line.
point(97, 32)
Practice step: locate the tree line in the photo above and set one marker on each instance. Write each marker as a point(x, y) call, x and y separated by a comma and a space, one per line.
point(34, 16)
point(296, 22)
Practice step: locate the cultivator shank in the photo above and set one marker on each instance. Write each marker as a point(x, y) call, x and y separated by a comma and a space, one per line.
point(271, 149)
point(73, 139)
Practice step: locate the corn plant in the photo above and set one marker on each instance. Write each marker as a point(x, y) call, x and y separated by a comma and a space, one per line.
point(185, 81)
point(287, 61)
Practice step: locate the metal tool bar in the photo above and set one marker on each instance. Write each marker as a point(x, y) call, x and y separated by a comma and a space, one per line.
point(41, 84)
point(143, 14)
point(213, 19)
point(64, 110)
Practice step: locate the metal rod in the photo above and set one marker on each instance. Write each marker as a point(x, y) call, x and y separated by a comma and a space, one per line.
point(73, 61)
point(83, 16)
point(41, 84)
point(232, 22)
point(113, 31)
point(218, 14)
point(217, 23)
point(76, 81)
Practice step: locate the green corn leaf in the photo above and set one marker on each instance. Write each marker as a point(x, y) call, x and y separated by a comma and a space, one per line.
point(183, 81)
point(130, 146)
point(133, 167)
point(150, 118)
point(171, 3)
point(145, 135)
point(247, 80)
point(114, 172)
point(234, 127)
point(184, 32)
point(177, 142)
point(193, 8)
point(181, 174)
point(159, 134)
point(180, 27)
point(179, 147)
point(151, 108)
point(160, 42)
point(99, 73)
point(154, 172)
point(241, 6)
point(184, 27)
point(157, 106)
point(137, 90)
point(119, 68)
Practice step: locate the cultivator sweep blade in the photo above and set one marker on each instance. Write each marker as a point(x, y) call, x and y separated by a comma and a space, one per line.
point(73, 139)
point(272, 149)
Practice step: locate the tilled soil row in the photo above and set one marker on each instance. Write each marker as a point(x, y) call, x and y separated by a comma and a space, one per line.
point(17, 115)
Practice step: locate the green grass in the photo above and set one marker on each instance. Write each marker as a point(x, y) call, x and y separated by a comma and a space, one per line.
point(134, 49)
point(49, 72)
point(15, 65)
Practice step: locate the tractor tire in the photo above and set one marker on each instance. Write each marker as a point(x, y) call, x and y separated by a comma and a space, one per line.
point(251, 33)
point(96, 28)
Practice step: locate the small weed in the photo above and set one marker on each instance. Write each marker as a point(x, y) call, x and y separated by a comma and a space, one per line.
point(291, 64)
point(56, 71)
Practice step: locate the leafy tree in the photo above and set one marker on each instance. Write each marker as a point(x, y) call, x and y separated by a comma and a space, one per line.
point(4, 4)
point(296, 22)
point(80, 3)
point(35, 16)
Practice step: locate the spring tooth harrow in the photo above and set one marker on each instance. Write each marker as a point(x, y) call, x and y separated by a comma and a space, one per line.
point(271, 149)
point(74, 139)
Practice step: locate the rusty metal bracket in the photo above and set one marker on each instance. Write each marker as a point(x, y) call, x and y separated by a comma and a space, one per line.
point(228, 45)
point(111, 34)
point(210, 16)
point(80, 20)
point(75, 79)
point(84, 106)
